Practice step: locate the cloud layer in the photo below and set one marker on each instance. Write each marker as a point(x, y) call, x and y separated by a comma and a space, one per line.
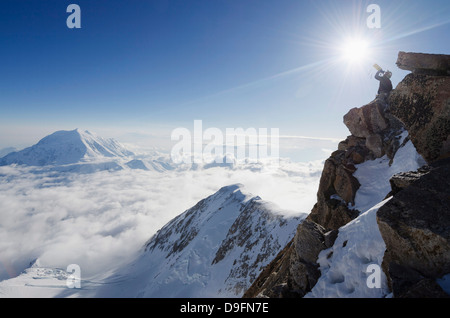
point(101, 220)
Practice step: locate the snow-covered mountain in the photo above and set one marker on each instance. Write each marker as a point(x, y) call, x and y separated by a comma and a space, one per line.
point(84, 152)
point(160, 164)
point(214, 249)
point(67, 147)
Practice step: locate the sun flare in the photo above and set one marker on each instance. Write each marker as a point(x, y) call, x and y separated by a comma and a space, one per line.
point(355, 50)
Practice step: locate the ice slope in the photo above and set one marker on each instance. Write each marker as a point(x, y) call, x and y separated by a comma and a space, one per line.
point(345, 266)
point(214, 249)
point(67, 147)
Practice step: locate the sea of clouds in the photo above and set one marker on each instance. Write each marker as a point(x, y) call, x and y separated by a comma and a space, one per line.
point(101, 220)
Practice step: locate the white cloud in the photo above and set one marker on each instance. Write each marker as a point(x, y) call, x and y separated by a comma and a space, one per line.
point(100, 220)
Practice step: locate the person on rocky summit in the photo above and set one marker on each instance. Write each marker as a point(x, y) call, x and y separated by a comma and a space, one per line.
point(385, 83)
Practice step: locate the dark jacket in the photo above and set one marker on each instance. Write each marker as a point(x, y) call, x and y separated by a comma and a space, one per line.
point(385, 83)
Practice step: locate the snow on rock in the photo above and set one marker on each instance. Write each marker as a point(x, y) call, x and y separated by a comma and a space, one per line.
point(346, 266)
point(214, 249)
point(374, 175)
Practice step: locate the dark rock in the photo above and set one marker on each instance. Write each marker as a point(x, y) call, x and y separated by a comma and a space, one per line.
point(422, 103)
point(330, 237)
point(294, 271)
point(309, 241)
point(345, 183)
point(375, 144)
point(408, 283)
point(272, 282)
point(402, 180)
point(333, 214)
point(415, 225)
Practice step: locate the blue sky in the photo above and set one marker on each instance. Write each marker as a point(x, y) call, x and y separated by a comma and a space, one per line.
point(151, 66)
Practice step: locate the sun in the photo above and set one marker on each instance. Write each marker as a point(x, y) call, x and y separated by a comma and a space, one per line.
point(355, 50)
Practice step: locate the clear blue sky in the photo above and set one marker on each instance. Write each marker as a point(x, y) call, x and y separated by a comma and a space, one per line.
point(160, 64)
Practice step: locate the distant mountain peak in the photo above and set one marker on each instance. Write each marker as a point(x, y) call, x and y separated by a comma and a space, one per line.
point(67, 147)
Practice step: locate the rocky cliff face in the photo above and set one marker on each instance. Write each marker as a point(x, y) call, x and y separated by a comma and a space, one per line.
point(419, 104)
point(415, 223)
point(422, 102)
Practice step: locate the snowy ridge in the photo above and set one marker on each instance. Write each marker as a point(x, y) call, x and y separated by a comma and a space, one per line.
point(214, 249)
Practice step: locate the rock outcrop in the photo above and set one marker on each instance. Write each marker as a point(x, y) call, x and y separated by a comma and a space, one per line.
point(415, 222)
point(377, 128)
point(427, 64)
point(403, 180)
point(422, 103)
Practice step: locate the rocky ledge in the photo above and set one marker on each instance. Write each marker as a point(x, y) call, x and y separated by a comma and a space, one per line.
point(426, 64)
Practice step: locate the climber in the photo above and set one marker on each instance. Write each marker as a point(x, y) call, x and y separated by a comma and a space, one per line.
point(385, 82)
